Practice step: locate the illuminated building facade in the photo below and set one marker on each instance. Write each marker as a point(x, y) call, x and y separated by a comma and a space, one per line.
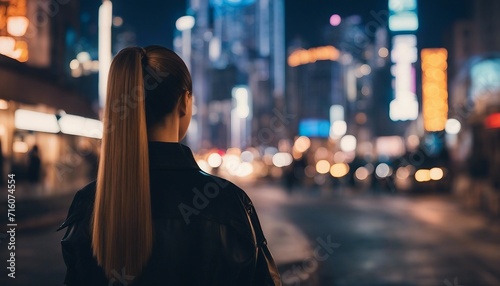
point(234, 44)
point(475, 103)
point(314, 84)
point(38, 96)
point(403, 22)
point(35, 35)
point(434, 89)
point(340, 86)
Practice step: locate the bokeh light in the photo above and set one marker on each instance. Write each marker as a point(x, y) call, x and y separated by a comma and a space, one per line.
point(348, 143)
point(436, 174)
point(302, 144)
point(383, 52)
point(214, 160)
point(403, 173)
point(383, 170)
point(247, 156)
point(362, 173)
point(323, 166)
point(335, 20)
point(282, 159)
point(339, 170)
point(422, 175)
point(453, 126)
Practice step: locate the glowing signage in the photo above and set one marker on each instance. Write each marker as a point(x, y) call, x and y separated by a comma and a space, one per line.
point(404, 54)
point(434, 89)
point(403, 15)
point(492, 121)
point(302, 57)
point(80, 126)
point(314, 128)
point(67, 124)
point(36, 121)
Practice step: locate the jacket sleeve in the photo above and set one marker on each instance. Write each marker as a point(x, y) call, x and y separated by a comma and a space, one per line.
point(68, 252)
point(266, 270)
point(81, 266)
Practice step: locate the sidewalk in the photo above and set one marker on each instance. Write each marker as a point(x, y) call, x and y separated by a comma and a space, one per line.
point(37, 208)
point(290, 247)
point(42, 213)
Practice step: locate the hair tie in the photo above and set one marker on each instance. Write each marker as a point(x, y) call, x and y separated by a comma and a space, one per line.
point(144, 57)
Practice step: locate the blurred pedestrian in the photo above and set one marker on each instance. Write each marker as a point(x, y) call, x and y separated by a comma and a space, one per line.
point(93, 163)
point(155, 217)
point(289, 179)
point(34, 165)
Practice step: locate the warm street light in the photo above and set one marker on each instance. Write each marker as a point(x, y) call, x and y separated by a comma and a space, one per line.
point(17, 25)
point(302, 57)
point(434, 89)
point(7, 45)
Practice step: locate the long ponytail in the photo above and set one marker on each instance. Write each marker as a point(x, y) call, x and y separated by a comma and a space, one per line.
point(122, 229)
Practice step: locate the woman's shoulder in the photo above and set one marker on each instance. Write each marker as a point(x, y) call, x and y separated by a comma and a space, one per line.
point(223, 185)
point(81, 204)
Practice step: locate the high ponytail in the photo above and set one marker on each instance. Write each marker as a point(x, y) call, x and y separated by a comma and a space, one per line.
point(122, 229)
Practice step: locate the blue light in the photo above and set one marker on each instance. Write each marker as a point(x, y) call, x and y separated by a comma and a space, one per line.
point(314, 128)
point(234, 3)
point(404, 21)
point(403, 15)
point(402, 5)
point(485, 77)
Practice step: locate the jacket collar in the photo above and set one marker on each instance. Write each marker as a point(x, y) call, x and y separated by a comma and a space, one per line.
point(170, 155)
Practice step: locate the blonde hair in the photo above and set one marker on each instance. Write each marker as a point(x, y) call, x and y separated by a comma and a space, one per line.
point(122, 228)
point(144, 85)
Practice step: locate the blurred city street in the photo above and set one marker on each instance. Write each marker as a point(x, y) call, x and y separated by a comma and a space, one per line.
point(366, 132)
point(333, 237)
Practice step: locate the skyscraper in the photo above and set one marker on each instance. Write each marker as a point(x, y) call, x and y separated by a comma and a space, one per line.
point(237, 43)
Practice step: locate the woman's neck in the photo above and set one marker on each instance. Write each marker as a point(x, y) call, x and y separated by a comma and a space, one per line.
point(166, 131)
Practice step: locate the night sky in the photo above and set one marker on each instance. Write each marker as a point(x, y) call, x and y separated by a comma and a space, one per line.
point(306, 18)
point(154, 21)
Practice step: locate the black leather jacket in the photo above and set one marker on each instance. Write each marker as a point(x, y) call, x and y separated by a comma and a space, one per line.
point(206, 230)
